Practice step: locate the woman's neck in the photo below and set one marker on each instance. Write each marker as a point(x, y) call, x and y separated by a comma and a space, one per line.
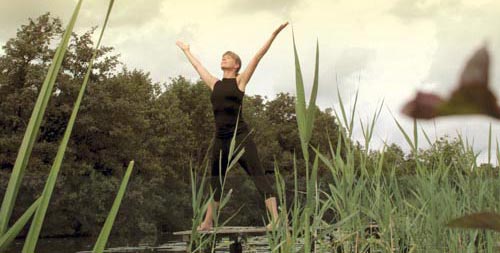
point(229, 74)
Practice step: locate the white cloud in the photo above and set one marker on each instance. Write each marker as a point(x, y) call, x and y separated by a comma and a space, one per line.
point(386, 48)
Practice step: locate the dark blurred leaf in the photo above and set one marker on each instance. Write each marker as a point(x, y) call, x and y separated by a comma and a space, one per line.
point(484, 220)
point(472, 96)
point(424, 106)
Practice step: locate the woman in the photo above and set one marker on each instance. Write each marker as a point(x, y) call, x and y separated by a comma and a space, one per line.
point(226, 98)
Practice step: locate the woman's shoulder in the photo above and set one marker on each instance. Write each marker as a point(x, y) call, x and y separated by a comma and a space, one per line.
point(217, 80)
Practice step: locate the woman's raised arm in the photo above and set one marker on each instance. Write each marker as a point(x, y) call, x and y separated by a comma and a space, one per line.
point(204, 74)
point(244, 78)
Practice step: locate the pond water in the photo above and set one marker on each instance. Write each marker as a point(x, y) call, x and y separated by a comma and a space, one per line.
point(162, 243)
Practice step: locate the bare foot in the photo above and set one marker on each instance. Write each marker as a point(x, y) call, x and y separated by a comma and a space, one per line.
point(273, 225)
point(270, 227)
point(205, 226)
point(276, 224)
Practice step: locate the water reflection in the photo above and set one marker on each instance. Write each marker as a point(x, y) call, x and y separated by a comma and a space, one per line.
point(162, 243)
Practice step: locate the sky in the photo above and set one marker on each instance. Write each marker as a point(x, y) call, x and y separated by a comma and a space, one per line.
point(386, 50)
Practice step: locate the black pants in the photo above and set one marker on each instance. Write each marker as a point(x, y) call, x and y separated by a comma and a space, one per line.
point(249, 161)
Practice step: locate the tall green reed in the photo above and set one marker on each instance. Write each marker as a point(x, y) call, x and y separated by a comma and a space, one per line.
point(36, 225)
point(305, 136)
point(33, 128)
point(37, 222)
point(39, 207)
point(374, 207)
point(110, 220)
point(11, 234)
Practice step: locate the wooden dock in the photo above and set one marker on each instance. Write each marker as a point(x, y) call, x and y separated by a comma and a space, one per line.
point(236, 234)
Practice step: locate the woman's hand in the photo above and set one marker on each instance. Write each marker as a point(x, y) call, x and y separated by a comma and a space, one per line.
point(202, 71)
point(248, 72)
point(182, 45)
point(280, 28)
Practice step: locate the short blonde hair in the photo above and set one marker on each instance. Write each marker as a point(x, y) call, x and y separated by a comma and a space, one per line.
point(235, 57)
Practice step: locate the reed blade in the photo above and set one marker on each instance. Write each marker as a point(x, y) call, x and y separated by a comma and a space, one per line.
point(33, 128)
point(110, 220)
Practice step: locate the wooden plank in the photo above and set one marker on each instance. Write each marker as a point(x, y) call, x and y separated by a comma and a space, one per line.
point(232, 232)
point(229, 231)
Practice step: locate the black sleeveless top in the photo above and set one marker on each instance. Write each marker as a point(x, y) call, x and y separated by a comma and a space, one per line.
point(226, 101)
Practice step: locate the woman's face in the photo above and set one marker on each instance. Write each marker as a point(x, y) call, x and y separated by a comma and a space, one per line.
point(228, 62)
